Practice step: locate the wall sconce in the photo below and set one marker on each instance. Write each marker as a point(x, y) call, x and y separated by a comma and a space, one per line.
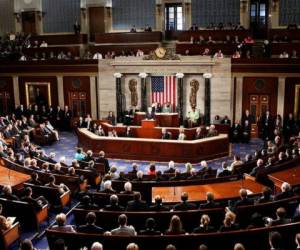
point(187, 7)
point(275, 4)
point(158, 6)
point(244, 4)
point(108, 11)
point(83, 12)
point(17, 16)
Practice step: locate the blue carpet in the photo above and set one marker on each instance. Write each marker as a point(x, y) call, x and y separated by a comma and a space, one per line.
point(68, 143)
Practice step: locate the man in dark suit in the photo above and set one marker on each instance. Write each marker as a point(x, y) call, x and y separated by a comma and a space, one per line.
point(90, 227)
point(7, 193)
point(165, 135)
point(226, 121)
point(280, 218)
point(81, 123)
point(37, 203)
point(266, 125)
point(150, 228)
point(67, 118)
point(275, 240)
point(171, 168)
point(114, 204)
point(235, 132)
point(137, 204)
point(224, 172)
point(77, 27)
point(158, 205)
point(104, 161)
point(247, 117)
point(244, 200)
point(286, 192)
point(86, 203)
point(184, 205)
point(210, 203)
point(246, 132)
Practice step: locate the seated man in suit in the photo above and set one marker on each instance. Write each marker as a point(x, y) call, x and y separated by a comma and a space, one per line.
point(37, 203)
point(61, 221)
point(193, 117)
point(150, 228)
point(210, 201)
point(286, 192)
point(86, 203)
point(158, 205)
point(114, 204)
point(280, 218)
point(184, 205)
point(90, 226)
point(137, 204)
point(7, 193)
point(104, 161)
point(165, 135)
point(171, 168)
point(244, 200)
point(224, 171)
point(123, 229)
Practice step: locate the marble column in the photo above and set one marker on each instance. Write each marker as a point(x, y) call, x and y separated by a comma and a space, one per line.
point(16, 91)
point(179, 77)
point(207, 98)
point(119, 97)
point(144, 102)
point(60, 91)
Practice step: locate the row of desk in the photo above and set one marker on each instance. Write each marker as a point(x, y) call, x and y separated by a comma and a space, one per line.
point(153, 149)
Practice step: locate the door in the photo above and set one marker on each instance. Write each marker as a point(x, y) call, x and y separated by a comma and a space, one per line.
point(78, 103)
point(259, 104)
point(259, 14)
point(96, 21)
point(29, 22)
point(173, 20)
point(5, 103)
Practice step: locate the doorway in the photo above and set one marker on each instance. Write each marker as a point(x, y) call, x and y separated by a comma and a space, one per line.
point(173, 17)
point(259, 14)
point(29, 22)
point(96, 21)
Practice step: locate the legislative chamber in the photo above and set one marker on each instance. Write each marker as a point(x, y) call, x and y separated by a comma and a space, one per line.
point(149, 124)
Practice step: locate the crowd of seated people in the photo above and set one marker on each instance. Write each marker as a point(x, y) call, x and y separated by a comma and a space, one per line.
point(11, 45)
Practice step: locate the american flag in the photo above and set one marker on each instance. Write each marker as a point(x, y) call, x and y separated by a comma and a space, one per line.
point(164, 90)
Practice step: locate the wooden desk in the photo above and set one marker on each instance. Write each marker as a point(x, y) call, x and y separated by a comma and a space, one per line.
point(149, 123)
point(156, 149)
point(12, 178)
point(163, 119)
point(226, 190)
point(128, 37)
point(292, 176)
point(217, 35)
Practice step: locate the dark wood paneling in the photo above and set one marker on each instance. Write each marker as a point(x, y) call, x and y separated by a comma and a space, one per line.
point(84, 87)
point(270, 88)
point(217, 35)
point(51, 79)
point(55, 66)
point(6, 85)
point(61, 39)
point(281, 33)
point(75, 51)
point(289, 96)
point(97, 24)
point(103, 49)
point(278, 48)
point(265, 65)
point(156, 150)
point(198, 49)
point(129, 37)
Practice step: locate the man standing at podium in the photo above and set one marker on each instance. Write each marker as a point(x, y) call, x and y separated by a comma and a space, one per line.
point(150, 113)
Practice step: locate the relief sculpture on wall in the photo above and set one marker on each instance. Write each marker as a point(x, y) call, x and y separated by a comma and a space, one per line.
point(193, 94)
point(133, 92)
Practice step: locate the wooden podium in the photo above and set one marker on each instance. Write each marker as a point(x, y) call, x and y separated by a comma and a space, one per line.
point(149, 123)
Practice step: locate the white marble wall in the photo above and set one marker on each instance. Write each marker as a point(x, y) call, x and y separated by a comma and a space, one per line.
point(192, 67)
